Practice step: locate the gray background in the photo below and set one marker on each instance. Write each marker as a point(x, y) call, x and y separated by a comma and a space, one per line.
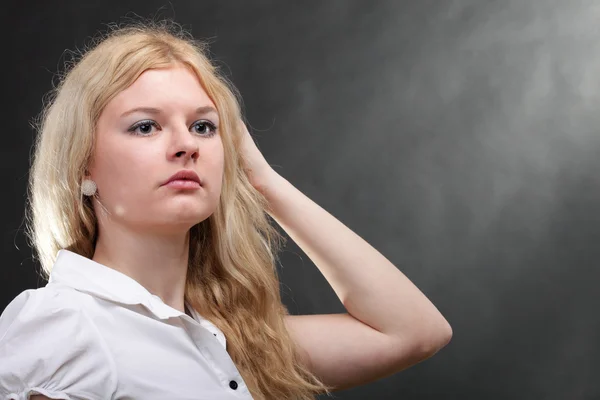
point(458, 137)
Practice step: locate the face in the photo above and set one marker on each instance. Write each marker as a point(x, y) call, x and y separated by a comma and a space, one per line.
point(162, 124)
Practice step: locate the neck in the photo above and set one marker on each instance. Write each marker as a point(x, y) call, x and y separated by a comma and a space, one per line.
point(157, 262)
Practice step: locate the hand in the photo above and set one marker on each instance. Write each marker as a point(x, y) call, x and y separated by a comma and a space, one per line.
point(259, 172)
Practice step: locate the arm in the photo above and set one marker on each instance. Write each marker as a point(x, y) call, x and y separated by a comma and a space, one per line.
point(390, 324)
point(72, 359)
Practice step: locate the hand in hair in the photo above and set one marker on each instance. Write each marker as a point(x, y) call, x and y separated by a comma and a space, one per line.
point(256, 166)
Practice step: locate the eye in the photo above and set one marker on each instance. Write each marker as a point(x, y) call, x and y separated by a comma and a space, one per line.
point(143, 128)
point(205, 128)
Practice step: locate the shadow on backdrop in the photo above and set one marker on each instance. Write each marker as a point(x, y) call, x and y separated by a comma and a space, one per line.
point(459, 138)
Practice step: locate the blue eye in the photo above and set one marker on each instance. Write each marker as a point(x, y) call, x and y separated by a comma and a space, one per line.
point(143, 127)
point(206, 128)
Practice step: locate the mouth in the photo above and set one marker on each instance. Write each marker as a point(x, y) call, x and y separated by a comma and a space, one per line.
point(184, 179)
point(183, 184)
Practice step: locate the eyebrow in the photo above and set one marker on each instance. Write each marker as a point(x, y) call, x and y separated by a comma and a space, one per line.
point(151, 110)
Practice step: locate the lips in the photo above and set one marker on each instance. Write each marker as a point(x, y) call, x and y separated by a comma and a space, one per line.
point(184, 175)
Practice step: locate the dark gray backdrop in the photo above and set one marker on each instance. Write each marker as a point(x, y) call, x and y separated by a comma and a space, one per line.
point(457, 137)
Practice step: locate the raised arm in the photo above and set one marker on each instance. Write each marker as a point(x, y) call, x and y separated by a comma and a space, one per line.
point(390, 324)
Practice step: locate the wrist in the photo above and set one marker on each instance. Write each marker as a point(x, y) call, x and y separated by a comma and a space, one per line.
point(268, 182)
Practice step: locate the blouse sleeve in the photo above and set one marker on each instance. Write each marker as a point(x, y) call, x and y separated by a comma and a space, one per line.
point(48, 346)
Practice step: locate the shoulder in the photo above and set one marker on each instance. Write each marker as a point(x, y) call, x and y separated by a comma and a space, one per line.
point(50, 345)
point(52, 305)
point(28, 304)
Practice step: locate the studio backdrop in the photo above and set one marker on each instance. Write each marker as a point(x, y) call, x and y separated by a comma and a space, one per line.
point(460, 138)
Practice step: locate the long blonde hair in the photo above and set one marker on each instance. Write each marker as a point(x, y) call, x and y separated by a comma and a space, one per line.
point(232, 277)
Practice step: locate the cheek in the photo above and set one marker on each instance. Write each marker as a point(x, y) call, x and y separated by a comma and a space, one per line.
point(123, 174)
point(211, 169)
point(217, 164)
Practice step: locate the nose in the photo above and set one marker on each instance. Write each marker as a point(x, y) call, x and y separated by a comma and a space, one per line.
point(183, 145)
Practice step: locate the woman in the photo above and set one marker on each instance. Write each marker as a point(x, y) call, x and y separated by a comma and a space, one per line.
point(149, 206)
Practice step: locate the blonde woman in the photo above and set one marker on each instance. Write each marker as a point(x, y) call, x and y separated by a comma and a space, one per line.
point(149, 206)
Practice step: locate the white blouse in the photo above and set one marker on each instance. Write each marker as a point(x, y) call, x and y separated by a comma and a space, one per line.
point(95, 333)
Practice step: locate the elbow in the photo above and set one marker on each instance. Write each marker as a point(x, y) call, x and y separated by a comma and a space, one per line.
point(444, 335)
point(422, 344)
point(428, 339)
point(433, 339)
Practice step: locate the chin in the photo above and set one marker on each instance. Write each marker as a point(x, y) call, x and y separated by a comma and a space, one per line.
point(189, 217)
point(181, 215)
point(173, 226)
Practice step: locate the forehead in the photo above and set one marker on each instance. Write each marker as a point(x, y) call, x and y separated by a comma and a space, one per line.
point(167, 88)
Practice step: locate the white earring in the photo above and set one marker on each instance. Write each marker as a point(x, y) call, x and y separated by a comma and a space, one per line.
point(88, 187)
